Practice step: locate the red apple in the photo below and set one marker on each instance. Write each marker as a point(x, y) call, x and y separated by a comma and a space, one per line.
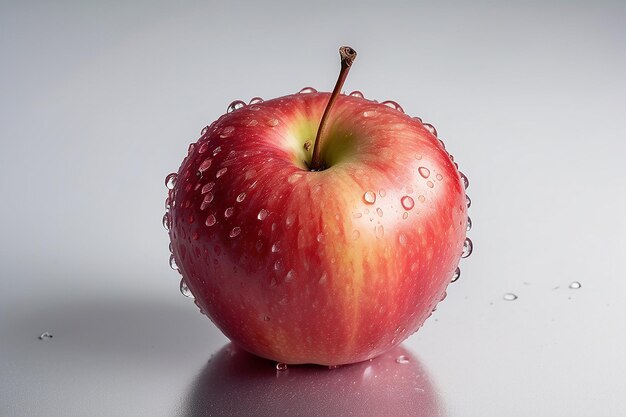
point(328, 262)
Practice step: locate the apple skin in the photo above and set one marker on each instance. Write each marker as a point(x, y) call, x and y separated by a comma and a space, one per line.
point(326, 267)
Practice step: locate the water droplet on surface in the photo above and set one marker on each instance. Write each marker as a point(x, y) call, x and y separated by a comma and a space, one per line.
point(278, 265)
point(206, 164)
point(405, 215)
point(45, 336)
point(407, 202)
point(276, 247)
point(357, 215)
point(266, 318)
point(281, 366)
point(370, 113)
point(575, 285)
point(235, 105)
point(226, 132)
point(443, 145)
point(203, 148)
point(356, 234)
point(369, 197)
point(271, 122)
point(430, 184)
point(431, 129)
point(307, 90)
point(241, 197)
point(468, 225)
point(210, 220)
point(252, 122)
point(468, 201)
point(204, 130)
point(235, 231)
point(173, 263)
point(184, 289)
point(421, 198)
point(228, 212)
point(221, 172)
point(392, 104)
point(256, 100)
point(379, 211)
point(402, 359)
point(207, 187)
point(166, 221)
point(380, 231)
point(320, 237)
point(206, 201)
point(424, 172)
point(456, 274)
point(290, 219)
point(191, 148)
point(418, 156)
point(509, 296)
point(402, 239)
point(262, 214)
point(464, 180)
point(468, 247)
point(356, 94)
point(217, 150)
point(290, 275)
point(170, 181)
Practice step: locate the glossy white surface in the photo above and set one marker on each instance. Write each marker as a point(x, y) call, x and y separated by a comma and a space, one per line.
point(99, 102)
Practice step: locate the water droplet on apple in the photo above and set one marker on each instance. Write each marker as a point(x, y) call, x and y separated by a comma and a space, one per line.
point(166, 221)
point(380, 231)
point(307, 90)
point(210, 220)
point(226, 132)
point(402, 239)
point(276, 247)
point(207, 187)
point(204, 130)
point(405, 215)
point(421, 198)
point(464, 180)
point(191, 148)
point(205, 165)
point(184, 289)
point(357, 215)
point(256, 100)
point(369, 197)
point(402, 359)
point(424, 172)
point(290, 275)
point(320, 237)
point(393, 105)
point(221, 172)
point(443, 146)
point(281, 366)
point(468, 201)
point(468, 224)
point(217, 150)
point(228, 212)
point(170, 181)
point(262, 214)
point(235, 105)
point(509, 296)
point(241, 197)
point(356, 94)
point(45, 336)
point(439, 177)
point(266, 318)
point(418, 156)
point(575, 285)
point(407, 202)
point(430, 184)
point(271, 122)
point(323, 279)
point(356, 234)
point(206, 201)
point(235, 231)
point(290, 219)
point(431, 129)
point(468, 247)
point(278, 265)
point(252, 122)
point(456, 274)
point(173, 264)
point(379, 211)
point(203, 148)
point(370, 113)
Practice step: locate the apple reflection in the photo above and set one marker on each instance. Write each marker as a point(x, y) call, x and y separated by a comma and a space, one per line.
point(236, 383)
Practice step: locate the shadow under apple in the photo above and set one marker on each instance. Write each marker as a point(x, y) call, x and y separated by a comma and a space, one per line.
point(236, 383)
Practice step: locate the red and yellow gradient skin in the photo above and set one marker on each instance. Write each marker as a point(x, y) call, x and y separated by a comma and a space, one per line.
point(328, 267)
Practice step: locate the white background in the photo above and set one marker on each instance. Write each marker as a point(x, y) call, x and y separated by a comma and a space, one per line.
point(98, 102)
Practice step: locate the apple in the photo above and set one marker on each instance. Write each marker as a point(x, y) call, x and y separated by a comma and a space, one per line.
point(317, 227)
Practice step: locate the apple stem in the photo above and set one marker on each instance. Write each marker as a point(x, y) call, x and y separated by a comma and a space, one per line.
point(347, 55)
